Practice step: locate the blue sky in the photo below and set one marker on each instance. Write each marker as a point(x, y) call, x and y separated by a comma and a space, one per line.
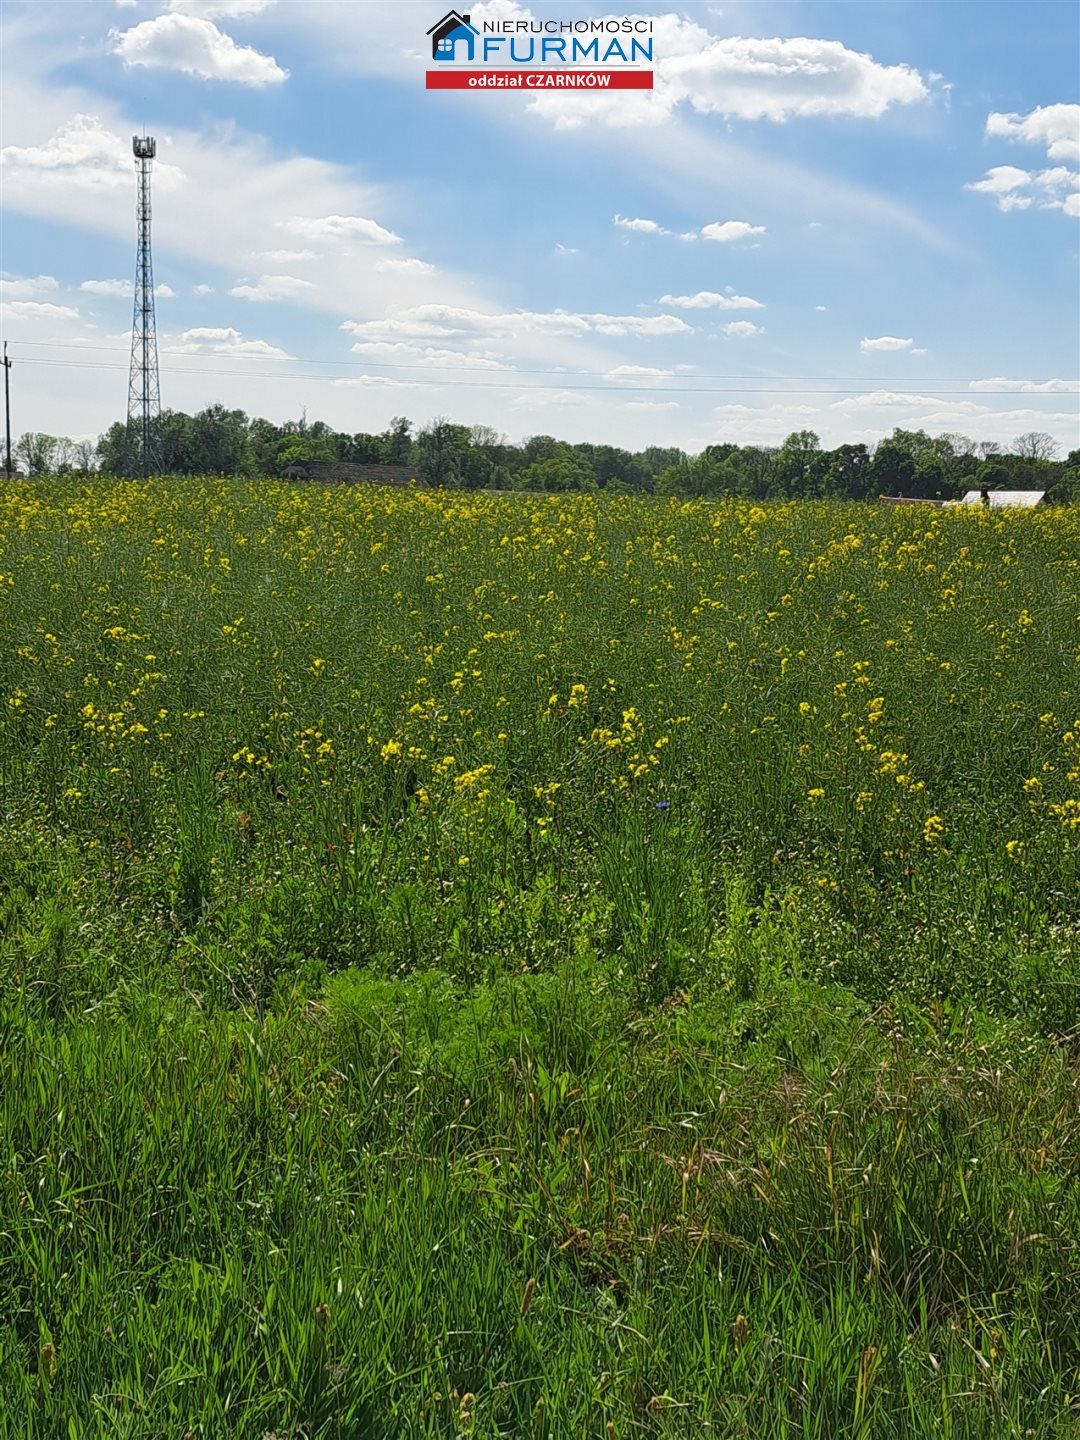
point(842, 217)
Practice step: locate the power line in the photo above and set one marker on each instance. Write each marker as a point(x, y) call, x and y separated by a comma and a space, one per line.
point(634, 387)
point(863, 381)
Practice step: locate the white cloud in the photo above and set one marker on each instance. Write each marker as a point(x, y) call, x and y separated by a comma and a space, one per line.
point(273, 287)
point(1043, 387)
point(15, 287)
point(638, 372)
point(195, 47)
point(108, 287)
point(216, 9)
point(203, 290)
point(164, 292)
point(822, 308)
point(378, 382)
point(745, 78)
point(402, 353)
point(882, 399)
point(1055, 126)
point(566, 250)
point(1048, 187)
point(638, 324)
point(776, 79)
point(730, 230)
point(404, 267)
point(885, 342)
point(37, 310)
point(222, 340)
point(285, 257)
point(641, 227)
point(743, 329)
point(1002, 182)
point(340, 227)
point(81, 155)
point(420, 321)
point(710, 300)
point(398, 327)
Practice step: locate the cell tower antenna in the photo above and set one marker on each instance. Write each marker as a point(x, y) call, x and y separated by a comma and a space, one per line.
point(144, 388)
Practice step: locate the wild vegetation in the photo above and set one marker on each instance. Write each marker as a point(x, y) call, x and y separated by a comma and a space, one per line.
point(219, 441)
point(527, 966)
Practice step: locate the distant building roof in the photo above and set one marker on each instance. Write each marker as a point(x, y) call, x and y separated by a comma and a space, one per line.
point(1001, 498)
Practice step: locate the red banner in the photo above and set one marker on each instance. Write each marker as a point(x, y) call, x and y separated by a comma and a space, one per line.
point(569, 79)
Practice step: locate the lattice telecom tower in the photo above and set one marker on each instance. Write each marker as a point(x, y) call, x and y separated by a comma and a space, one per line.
point(144, 389)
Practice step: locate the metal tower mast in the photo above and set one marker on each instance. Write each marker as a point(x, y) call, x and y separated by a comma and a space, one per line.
point(144, 390)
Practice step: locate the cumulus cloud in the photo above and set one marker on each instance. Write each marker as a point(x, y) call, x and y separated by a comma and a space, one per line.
point(1051, 189)
point(1055, 126)
point(194, 46)
point(81, 155)
point(743, 329)
point(745, 78)
point(775, 79)
point(285, 257)
point(340, 227)
point(641, 227)
point(638, 372)
point(123, 288)
point(710, 300)
point(405, 267)
point(422, 321)
point(223, 340)
point(378, 382)
point(1041, 387)
point(728, 230)
point(108, 287)
point(203, 290)
point(37, 310)
point(401, 352)
point(16, 287)
point(217, 9)
point(273, 287)
point(885, 342)
point(881, 399)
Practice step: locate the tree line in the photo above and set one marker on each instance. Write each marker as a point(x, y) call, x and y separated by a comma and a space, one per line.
point(220, 441)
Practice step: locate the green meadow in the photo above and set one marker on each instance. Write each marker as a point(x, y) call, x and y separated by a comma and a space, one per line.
point(536, 966)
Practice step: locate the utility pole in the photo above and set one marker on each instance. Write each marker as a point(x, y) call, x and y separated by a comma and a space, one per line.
point(7, 412)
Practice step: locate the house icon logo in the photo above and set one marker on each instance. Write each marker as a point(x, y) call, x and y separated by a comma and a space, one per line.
point(451, 30)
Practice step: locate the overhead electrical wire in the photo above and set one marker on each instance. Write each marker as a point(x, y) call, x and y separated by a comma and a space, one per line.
point(571, 380)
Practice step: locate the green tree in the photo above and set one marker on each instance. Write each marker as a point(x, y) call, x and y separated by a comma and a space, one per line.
point(36, 452)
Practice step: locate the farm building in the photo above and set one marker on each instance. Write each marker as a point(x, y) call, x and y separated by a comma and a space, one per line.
point(906, 500)
point(1002, 498)
point(347, 472)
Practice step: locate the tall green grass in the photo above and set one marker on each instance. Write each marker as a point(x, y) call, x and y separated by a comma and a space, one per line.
point(515, 966)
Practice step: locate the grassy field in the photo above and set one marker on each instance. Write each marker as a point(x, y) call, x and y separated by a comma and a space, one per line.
point(536, 967)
